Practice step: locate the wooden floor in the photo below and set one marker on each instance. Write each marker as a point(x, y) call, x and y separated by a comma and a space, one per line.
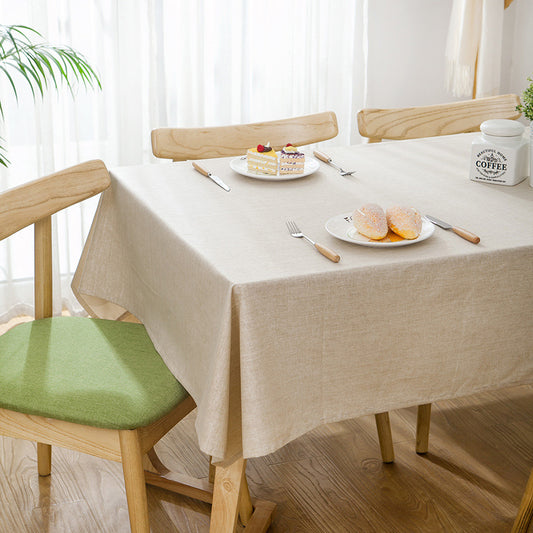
point(331, 480)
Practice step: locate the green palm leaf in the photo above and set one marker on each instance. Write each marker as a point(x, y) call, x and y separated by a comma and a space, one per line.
point(526, 105)
point(40, 64)
point(3, 159)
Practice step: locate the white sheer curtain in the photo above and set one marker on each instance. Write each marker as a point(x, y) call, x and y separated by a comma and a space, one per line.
point(474, 48)
point(167, 63)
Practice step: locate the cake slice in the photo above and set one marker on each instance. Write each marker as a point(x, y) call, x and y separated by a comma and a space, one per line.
point(262, 160)
point(291, 161)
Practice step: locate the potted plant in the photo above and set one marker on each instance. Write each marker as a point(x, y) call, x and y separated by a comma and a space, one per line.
point(24, 55)
point(526, 107)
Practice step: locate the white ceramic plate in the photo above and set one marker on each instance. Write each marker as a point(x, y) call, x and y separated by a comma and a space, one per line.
point(240, 165)
point(341, 226)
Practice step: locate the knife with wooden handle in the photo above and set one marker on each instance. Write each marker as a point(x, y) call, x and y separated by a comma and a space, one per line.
point(469, 236)
point(208, 174)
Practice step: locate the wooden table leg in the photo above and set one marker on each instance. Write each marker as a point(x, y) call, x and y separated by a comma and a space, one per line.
point(246, 508)
point(385, 437)
point(211, 470)
point(226, 497)
point(229, 496)
point(422, 428)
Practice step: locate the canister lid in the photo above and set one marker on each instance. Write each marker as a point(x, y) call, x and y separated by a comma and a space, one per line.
point(501, 127)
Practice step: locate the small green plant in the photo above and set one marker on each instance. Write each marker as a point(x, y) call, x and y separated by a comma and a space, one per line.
point(39, 63)
point(526, 106)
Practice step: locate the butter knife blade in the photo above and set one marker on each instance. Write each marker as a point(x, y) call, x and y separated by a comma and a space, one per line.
point(438, 222)
point(467, 235)
point(212, 177)
point(219, 182)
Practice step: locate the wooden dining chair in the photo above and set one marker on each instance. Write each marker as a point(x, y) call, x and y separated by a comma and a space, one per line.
point(181, 144)
point(525, 511)
point(432, 121)
point(90, 385)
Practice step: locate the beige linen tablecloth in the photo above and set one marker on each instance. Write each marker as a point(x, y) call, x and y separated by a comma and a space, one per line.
point(271, 338)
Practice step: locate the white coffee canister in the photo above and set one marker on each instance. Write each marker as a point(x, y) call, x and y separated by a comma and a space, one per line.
point(500, 154)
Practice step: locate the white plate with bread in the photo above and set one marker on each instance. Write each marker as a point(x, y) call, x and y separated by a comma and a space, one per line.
point(342, 227)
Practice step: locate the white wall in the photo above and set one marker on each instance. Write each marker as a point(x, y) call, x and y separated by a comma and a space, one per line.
point(407, 40)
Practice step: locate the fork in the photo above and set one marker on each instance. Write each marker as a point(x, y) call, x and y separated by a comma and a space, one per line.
point(294, 230)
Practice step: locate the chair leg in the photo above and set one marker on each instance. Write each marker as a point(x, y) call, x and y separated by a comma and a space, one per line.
point(385, 437)
point(132, 465)
point(422, 428)
point(525, 511)
point(44, 459)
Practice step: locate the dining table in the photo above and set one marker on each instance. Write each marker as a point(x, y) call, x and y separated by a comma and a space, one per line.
point(273, 339)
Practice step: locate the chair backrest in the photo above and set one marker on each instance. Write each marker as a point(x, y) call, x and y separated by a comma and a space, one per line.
point(35, 203)
point(434, 120)
point(181, 144)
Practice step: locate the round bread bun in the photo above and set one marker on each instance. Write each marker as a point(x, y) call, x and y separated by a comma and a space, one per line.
point(404, 221)
point(370, 220)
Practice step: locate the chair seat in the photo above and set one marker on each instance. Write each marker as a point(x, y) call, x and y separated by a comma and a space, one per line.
point(94, 372)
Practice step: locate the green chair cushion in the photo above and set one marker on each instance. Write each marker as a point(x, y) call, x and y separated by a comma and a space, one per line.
point(95, 372)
